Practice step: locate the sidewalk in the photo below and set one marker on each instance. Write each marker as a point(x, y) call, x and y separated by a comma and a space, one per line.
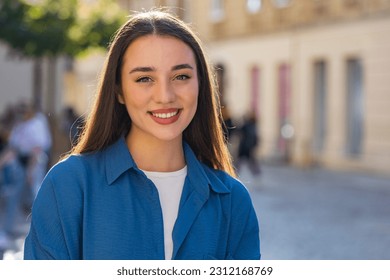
point(321, 214)
point(12, 248)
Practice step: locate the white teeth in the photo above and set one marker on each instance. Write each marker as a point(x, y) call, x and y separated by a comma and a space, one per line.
point(165, 115)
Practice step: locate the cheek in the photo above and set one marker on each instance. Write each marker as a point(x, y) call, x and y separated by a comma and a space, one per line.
point(192, 97)
point(195, 92)
point(195, 100)
point(194, 104)
point(134, 99)
point(135, 106)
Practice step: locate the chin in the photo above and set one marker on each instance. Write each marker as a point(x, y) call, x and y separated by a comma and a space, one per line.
point(166, 137)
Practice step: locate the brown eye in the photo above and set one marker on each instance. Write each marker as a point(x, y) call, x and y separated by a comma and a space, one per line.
point(182, 77)
point(143, 80)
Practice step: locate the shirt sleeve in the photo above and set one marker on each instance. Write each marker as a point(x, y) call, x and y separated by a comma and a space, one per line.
point(244, 235)
point(56, 220)
point(45, 240)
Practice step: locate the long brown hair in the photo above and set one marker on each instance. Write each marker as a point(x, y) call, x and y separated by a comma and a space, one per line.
point(109, 119)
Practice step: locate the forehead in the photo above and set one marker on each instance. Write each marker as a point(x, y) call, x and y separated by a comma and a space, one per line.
point(154, 49)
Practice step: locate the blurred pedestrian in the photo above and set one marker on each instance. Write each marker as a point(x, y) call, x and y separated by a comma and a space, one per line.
point(228, 124)
point(72, 125)
point(12, 179)
point(3, 137)
point(151, 176)
point(31, 140)
point(249, 141)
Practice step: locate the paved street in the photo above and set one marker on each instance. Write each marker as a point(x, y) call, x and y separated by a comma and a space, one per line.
point(312, 214)
point(319, 214)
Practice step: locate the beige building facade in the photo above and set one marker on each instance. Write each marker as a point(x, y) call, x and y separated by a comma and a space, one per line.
point(13, 69)
point(317, 74)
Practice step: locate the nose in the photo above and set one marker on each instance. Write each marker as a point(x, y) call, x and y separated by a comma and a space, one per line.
point(164, 93)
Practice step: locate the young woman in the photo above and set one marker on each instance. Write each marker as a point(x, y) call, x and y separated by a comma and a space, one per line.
point(151, 176)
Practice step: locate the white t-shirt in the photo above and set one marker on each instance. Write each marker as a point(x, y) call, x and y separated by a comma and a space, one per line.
point(169, 186)
point(31, 134)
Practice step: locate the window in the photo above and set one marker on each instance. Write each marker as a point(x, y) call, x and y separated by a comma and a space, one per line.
point(140, 5)
point(217, 10)
point(284, 92)
point(220, 72)
point(282, 3)
point(255, 90)
point(320, 93)
point(284, 104)
point(354, 108)
point(253, 6)
point(181, 8)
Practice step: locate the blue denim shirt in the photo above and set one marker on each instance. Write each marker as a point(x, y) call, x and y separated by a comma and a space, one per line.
point(101, 206)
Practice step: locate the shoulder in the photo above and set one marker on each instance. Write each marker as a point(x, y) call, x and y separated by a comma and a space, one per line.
point(234, 196)
point(223, 182)
point(75, 170)
point(74, 164)
point(67, 185)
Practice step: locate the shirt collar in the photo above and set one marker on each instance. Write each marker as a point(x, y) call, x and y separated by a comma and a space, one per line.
point(118, 160)
point(202, 175)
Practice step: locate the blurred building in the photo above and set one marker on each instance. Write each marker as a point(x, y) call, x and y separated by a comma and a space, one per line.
point(17, 86)
point(316, 72)
point(17, 81)
point(12, 71)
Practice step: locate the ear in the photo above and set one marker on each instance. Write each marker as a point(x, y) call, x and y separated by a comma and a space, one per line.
point(119, 95)
point(121, 100)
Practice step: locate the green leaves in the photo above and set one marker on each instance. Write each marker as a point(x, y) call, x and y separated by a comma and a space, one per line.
point(55, 27)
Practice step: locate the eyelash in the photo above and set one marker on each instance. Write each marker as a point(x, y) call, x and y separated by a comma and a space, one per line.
point(143, 80)
point(180, 77)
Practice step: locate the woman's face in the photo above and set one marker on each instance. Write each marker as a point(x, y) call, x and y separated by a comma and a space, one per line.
point(159, 87)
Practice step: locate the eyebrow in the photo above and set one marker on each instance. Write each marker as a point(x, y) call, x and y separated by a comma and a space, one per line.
point(182, 66)
point(142, 69)
point(151, 69)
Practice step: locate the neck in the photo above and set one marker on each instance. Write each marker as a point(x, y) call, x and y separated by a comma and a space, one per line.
point(156, 155)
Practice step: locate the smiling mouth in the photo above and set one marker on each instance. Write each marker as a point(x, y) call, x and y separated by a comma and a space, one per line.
point(165, 115)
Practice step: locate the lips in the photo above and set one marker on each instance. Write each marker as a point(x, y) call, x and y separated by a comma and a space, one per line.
point(165, 116)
